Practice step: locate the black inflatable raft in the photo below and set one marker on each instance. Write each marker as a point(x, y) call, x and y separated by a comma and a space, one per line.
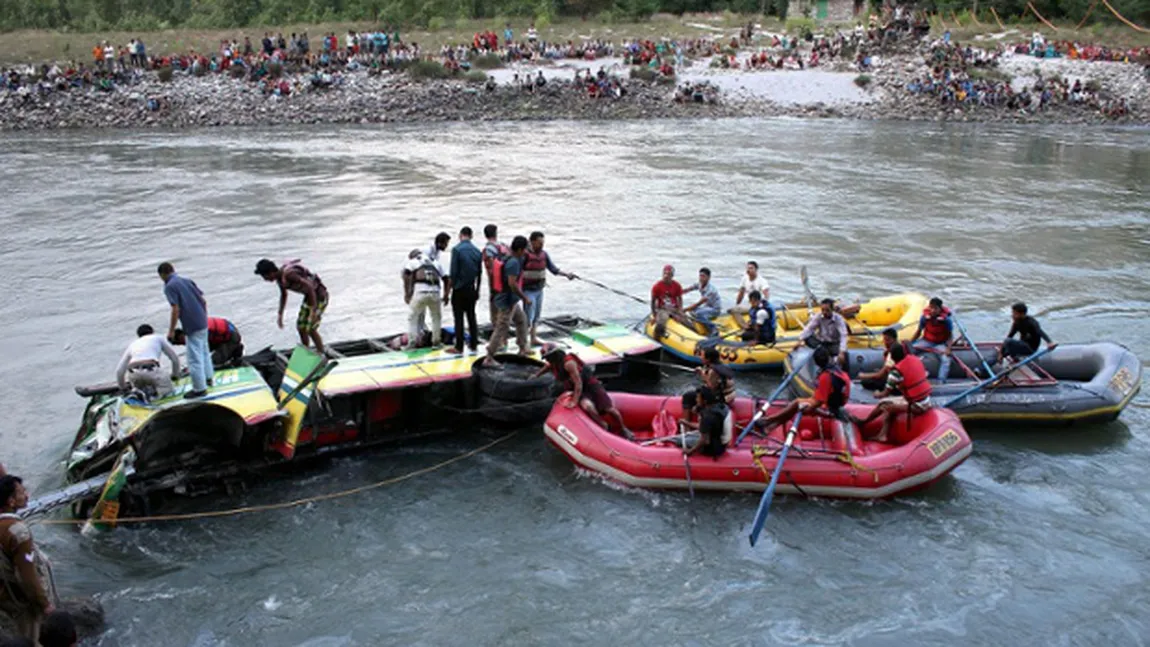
point(1071, 384)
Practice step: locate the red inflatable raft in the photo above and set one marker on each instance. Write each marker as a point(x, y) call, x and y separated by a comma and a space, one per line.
point(920, 452)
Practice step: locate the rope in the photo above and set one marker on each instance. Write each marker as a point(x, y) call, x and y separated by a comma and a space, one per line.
point(849, 459)
point(1123, 19)
point(1088, 12)
point(997, 19)
point(1046, 22)
point(294, 503)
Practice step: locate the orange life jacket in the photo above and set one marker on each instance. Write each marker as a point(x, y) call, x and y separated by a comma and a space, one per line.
point(936, 331)
point(915, 385)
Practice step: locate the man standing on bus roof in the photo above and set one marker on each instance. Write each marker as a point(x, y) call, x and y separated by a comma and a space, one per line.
point(297, 278)
point(189, 309)
point(536, 264)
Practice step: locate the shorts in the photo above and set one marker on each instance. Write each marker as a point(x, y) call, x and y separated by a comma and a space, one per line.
point(303, 321)
point(598, 397)
point(535, 310)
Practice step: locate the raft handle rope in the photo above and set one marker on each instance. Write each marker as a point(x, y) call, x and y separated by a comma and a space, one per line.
point(232, 512)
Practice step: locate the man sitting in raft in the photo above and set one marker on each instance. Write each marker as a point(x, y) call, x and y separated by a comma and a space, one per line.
point(832, 392)
point(936, 327)
point(760, 328)
point(140, 365)
point(223, 340)
point(709, 430)
point(586, 390)
point(711, 303)
point(908, 378)
point(752, 282)
point(667, 301)
point(829, 330)
point(297, 278)
point(1029, 335)
point(875, 380)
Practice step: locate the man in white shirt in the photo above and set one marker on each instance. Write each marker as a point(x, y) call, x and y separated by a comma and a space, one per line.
point(422, 278)
point(752, 282)
point(140, 364)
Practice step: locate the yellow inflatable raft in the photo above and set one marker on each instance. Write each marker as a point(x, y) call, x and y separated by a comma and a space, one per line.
point(687, 342)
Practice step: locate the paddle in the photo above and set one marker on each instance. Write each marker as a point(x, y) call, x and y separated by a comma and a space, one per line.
point(765, 502)
point(995, 378)
point(812, 300)
point(687, 467)
point(973, 346)
point(766, 405)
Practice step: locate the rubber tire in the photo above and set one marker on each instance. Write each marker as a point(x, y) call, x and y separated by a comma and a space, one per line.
point(515, 413)
point(511, 382)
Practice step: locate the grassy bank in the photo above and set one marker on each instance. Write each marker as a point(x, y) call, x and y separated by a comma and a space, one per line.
point(37, 46)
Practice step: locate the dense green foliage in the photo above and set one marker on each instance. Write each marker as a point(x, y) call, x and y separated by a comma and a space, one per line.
point(95, 15)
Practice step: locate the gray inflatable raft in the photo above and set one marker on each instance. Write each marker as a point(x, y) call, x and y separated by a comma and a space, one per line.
point(1073, 383)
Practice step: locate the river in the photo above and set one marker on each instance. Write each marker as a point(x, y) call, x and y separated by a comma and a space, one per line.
point(1040, 538)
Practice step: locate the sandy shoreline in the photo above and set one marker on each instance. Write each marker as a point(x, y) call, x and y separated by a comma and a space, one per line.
point(358, 97)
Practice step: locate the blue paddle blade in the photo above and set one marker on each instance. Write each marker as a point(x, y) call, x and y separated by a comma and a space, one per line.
point(765, 502)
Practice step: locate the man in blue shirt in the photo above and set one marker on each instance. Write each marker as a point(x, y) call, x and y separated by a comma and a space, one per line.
point(462, 289)
point(506, 304)
point(190, 310)
point(711, 303)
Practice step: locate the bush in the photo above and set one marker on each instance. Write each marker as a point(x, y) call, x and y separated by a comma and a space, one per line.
point(165, 74)
point(542, 20)
point(665, 80)
point(238, 71)
point(643, 74)
point(1092, 86)
point(988, 74)
point(427, 70)
point(275, 69)
point(487, 62)
point(801, 27)
point(475, 76)
point(862, 80)
point(606, 17)
point(436, 23)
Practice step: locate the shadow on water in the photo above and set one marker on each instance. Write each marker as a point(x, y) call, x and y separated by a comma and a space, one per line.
point(1083, 440)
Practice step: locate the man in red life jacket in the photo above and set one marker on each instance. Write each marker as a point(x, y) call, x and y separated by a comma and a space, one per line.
point(506, 277)
point(910, 380)
point(493, 251)
point(295, 277)
point(833, 391)
point(224, 341)
point(667, 302)
point(936, 328)
point(586, 390)
point(536, 264)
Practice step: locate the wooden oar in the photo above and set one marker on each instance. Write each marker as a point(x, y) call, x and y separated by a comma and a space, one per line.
point(767, 405)
point(973, 346)
point(994, 378)
point(765, 502)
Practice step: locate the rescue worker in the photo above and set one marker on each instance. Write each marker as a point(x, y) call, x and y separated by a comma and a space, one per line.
point(875, 380)
point(833, 391)
point(223, 340)
point(1029, 335)
point(710, 429)
point(586, 390)
point(140, 365)
point(295, 277)
point(760, 326)
point(26, 589)
point(536, 264)
point(506, 275)
point(907, 391)
point(190, 309)
point(667, 302)
point(493, 251)
point(936, 329)
point(462, 290)
point(422, 278)
point(829, 330)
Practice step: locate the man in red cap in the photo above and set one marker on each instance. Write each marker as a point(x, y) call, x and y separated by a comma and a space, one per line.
point(667, 301)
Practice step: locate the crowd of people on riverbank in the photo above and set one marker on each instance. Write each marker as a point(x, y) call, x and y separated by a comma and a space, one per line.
point(964, 77)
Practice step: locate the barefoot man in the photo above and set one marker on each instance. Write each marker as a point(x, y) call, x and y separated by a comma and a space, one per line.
point(297, 278)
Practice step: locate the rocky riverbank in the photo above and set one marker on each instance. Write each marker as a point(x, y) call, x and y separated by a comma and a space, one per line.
point(357, 97)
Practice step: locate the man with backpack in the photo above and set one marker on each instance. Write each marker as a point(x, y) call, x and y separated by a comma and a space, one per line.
point(505, 276)
point(422, 278)
point(493, 251)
